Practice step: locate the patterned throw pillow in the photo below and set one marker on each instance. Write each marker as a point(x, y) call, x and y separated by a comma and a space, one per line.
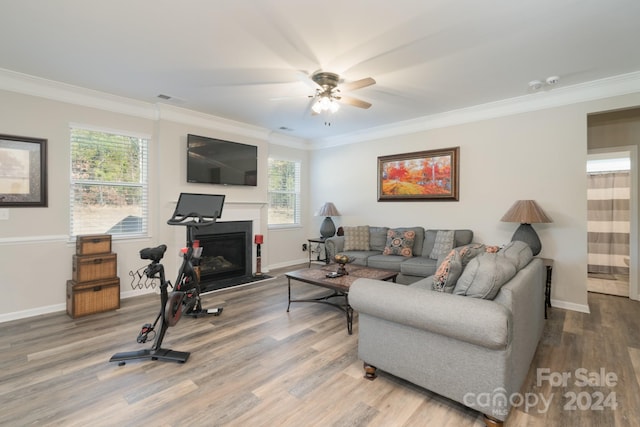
point(451, 267)
point(400, 242)
point(443, 244)
point(448, 273)
point(356, 238)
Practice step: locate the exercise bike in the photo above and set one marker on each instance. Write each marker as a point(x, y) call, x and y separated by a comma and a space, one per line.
point(185, 297)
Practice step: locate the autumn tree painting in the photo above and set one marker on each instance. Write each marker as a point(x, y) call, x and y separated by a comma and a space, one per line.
point(422, 175)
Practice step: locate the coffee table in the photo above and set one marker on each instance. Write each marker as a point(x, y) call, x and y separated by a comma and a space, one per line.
point(339, 285)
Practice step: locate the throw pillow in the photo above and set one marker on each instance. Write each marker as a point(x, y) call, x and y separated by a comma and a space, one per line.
point(443, 244)
point(356, 238)
point(400, 242)
point(448, 273)
point(450, 268)
point(519, 253)
point(484, 276)
point(378, 238)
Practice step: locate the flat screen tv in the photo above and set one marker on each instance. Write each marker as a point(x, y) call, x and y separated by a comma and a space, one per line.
point(216, 161)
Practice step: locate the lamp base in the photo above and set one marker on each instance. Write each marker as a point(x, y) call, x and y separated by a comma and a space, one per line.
point(328, 228)
point(526, 233)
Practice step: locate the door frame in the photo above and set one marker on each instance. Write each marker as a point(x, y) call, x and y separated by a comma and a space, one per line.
point(633, 220)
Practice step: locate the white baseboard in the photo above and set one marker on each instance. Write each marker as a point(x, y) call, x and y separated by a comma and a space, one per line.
point(289, 263)
point(570, 306)
point(16, 315)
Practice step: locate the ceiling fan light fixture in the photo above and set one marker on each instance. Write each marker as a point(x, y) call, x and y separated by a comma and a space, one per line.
point(325, 103)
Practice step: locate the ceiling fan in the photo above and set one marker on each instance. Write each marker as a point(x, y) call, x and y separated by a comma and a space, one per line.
point(328, 95)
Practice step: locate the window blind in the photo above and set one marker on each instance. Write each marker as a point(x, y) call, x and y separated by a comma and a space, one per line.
point(109, 187)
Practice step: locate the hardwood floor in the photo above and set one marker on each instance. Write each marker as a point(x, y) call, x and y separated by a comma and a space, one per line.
point(258, 365)
point(609, 284)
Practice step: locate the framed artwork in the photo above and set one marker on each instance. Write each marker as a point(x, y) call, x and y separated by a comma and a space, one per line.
point(421, 176)
point(23, 171)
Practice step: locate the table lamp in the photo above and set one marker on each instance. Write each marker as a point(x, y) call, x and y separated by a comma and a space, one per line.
point(526, 212)
point(328, 228)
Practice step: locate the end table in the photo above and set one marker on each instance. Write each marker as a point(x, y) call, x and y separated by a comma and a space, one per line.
point(317, 246)
point(548, 263)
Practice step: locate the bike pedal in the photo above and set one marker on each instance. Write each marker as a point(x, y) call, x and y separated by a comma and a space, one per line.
point(144, 333)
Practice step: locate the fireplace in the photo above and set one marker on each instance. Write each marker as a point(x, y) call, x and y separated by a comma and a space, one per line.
point(226, 254)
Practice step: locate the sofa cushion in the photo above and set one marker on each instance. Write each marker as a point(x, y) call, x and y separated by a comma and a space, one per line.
point(356, 238)
point(448, 273)
point(400, 242)
point(418, 266)
point(386, 262)
point(519, 253)
point(484, 276)
point(443, 243)
point(378, 238)
point(360, 257)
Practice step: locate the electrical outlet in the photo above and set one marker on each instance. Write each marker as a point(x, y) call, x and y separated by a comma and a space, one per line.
point(304, 247)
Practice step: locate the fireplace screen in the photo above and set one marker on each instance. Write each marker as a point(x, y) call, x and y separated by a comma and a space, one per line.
point(223, 256)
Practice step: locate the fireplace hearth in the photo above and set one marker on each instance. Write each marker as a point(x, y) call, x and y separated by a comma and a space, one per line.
point(226, 259)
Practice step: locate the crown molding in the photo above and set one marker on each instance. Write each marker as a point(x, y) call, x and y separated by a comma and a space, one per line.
point(598, 89)
point(195, 118)
point(49, 89)
point(35, 86)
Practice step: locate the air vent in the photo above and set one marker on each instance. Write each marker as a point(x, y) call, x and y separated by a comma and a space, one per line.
point(165, 97)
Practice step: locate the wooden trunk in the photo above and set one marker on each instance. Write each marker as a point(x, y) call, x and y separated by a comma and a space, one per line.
point(92, 297)
point(88, 268)
point(93, 244)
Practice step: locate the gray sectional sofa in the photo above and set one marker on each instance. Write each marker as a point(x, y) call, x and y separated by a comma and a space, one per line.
point(473, 341)
point(371, 252)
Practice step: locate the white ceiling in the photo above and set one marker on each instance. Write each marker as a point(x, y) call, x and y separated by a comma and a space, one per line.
point(239, 59)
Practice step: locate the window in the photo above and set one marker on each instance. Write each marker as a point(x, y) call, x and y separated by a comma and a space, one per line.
point(108, 183)
point(284, 193)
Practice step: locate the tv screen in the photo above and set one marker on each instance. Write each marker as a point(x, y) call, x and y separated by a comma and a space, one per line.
point(215, 161)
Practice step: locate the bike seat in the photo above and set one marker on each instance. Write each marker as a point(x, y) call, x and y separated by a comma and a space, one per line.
point(154, 254)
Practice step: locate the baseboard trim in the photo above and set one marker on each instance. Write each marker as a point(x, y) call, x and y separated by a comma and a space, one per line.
point(582, 308)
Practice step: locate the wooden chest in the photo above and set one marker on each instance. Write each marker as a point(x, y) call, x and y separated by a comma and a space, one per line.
point(88, 268)
point(92, 297)
point(93, 244)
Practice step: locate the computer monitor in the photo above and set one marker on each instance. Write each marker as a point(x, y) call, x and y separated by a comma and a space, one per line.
point(207, 206)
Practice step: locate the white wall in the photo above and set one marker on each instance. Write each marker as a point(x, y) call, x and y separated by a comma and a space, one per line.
point(538, 155)
point(284, 245)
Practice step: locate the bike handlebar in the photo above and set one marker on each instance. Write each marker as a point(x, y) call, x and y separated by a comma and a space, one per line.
point(192, 219)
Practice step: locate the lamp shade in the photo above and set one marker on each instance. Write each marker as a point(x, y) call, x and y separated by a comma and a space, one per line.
point(328, 209)
point(526, 212)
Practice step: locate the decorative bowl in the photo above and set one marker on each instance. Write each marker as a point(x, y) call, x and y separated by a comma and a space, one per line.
point(342, 260)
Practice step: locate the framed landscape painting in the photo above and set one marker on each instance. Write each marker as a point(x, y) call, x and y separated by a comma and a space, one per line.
point(421, 176)
point(23, 171)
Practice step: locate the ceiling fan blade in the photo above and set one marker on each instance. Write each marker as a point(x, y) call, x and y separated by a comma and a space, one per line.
point(354, 102)
point(358, 84)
